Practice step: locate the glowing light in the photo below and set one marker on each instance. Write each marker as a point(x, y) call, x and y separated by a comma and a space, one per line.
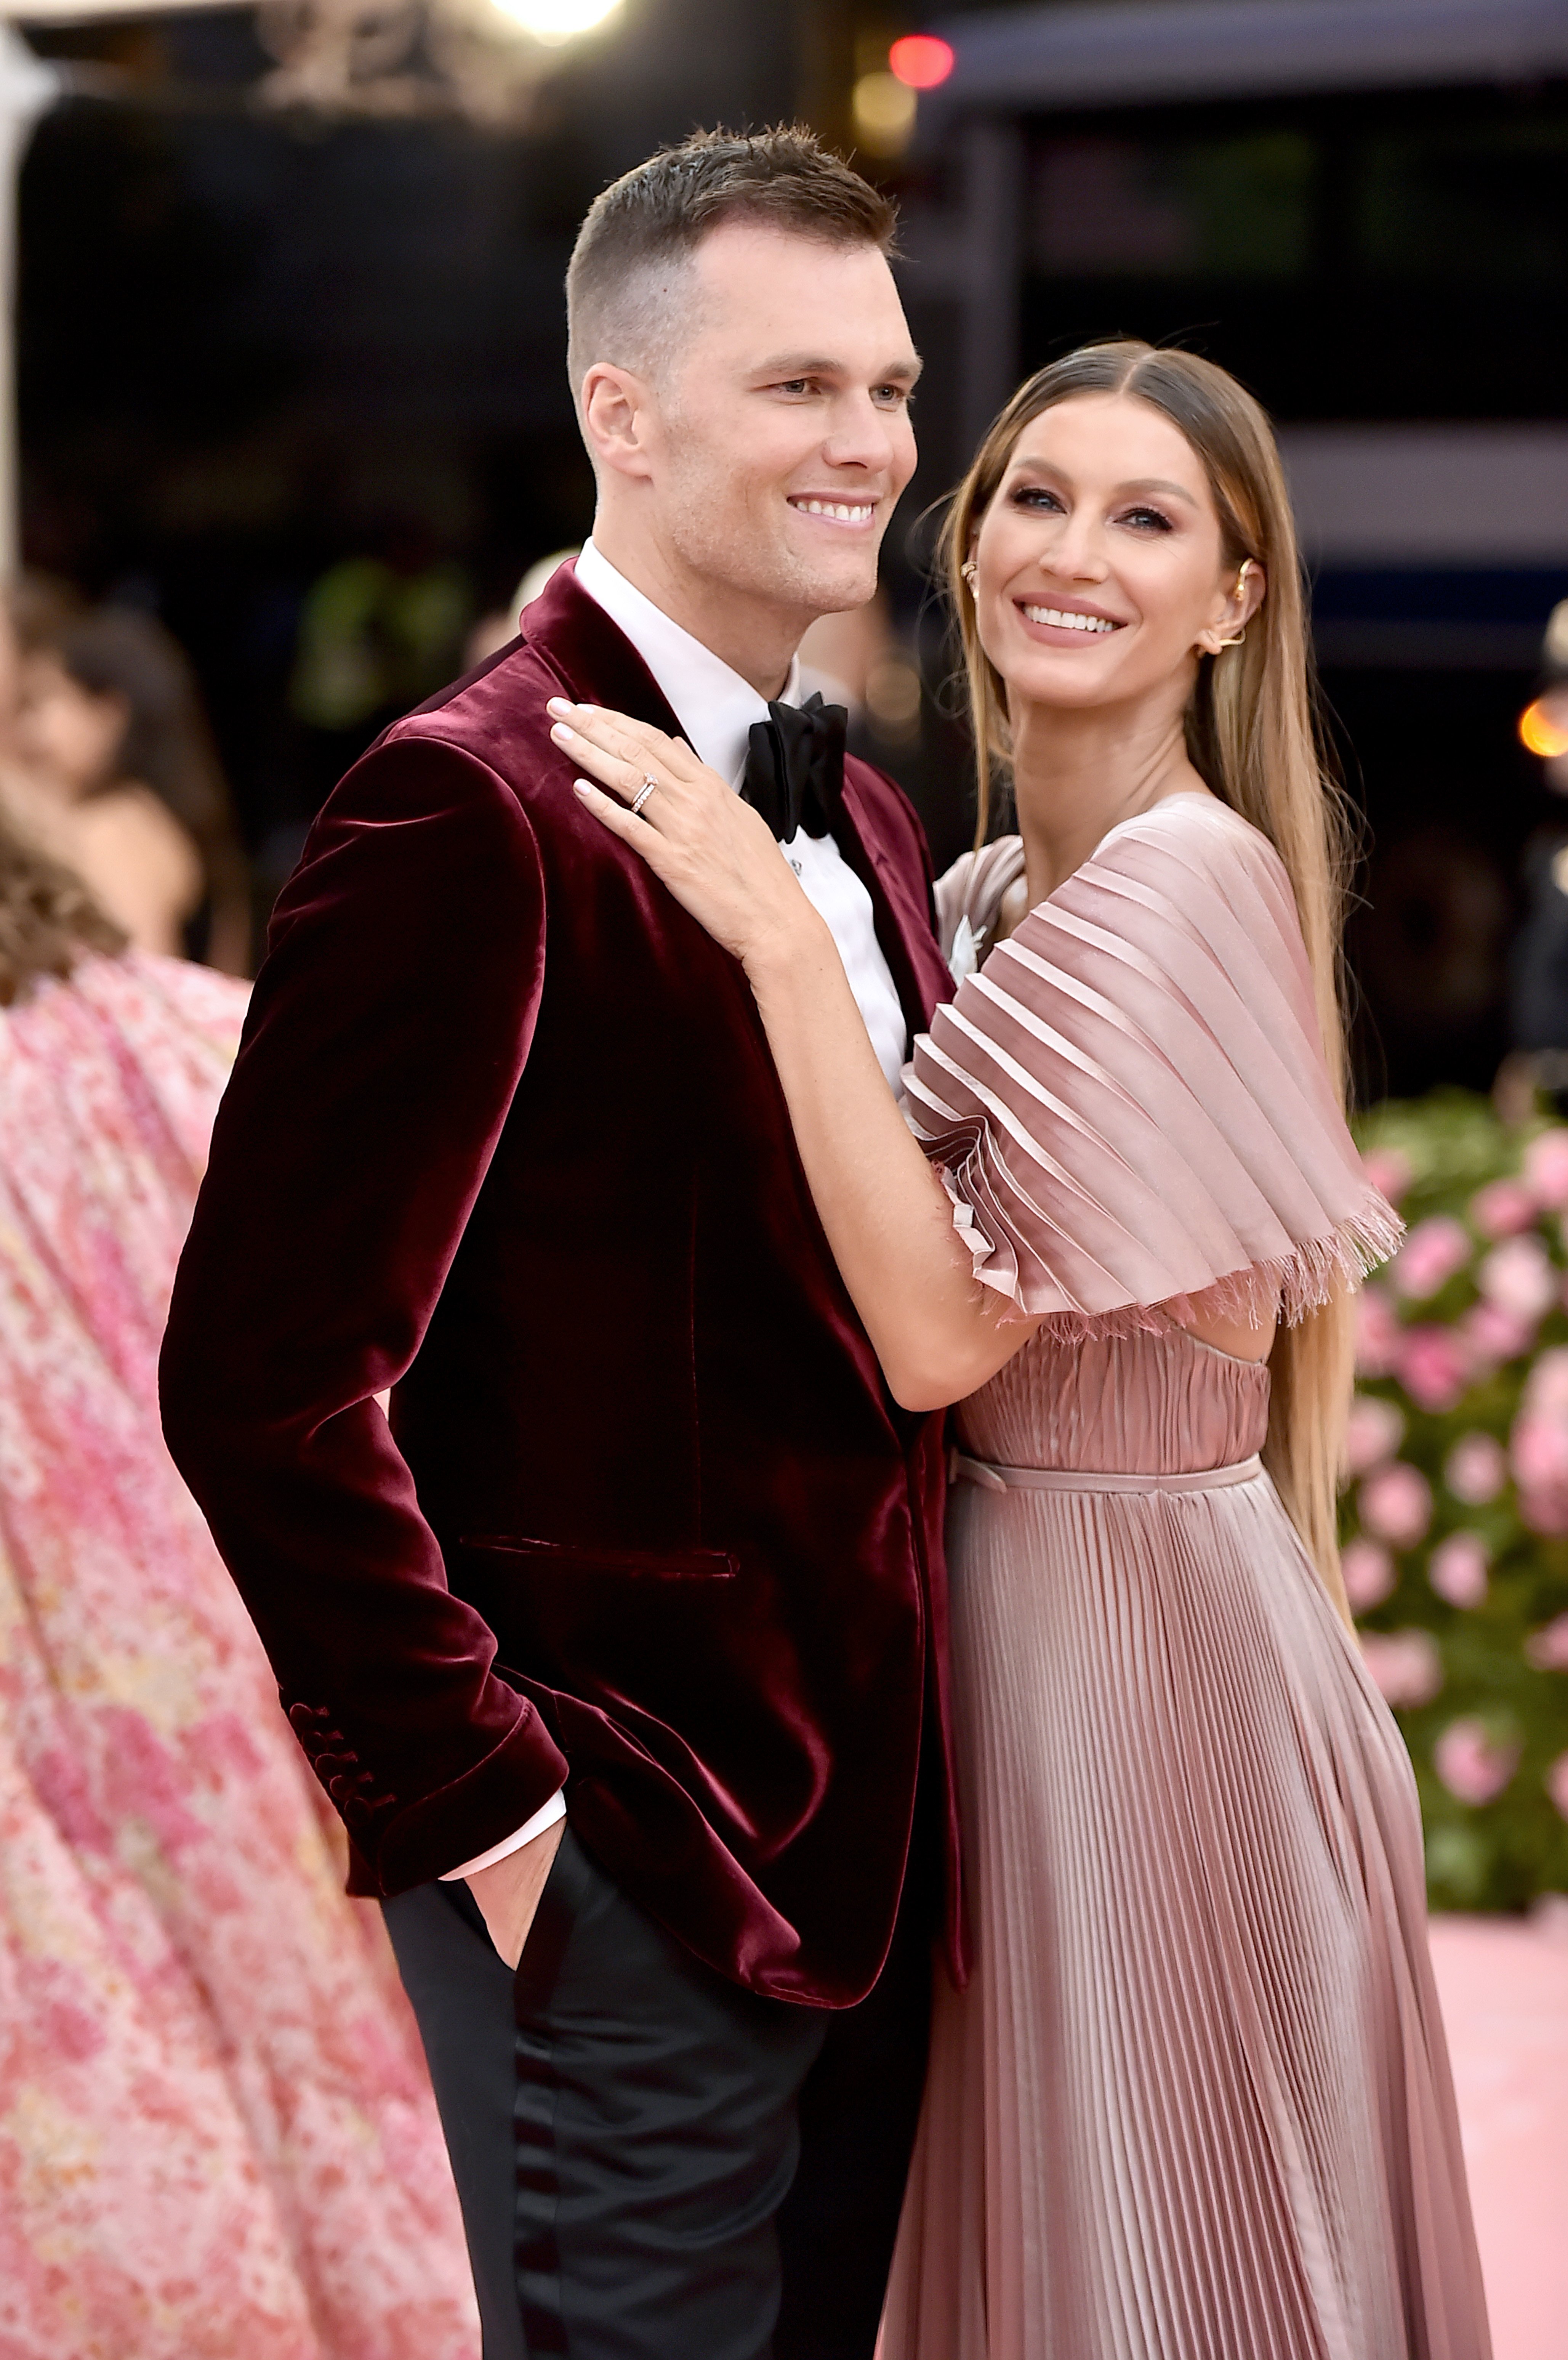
point(1544, 727)
point(556, 21)
point(884, 111)
point(921, 61)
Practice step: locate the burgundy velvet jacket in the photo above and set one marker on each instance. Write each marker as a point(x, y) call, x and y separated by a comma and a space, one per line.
point(505, 1135)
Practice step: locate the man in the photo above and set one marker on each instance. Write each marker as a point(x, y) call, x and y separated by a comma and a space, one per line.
point(619, 1644)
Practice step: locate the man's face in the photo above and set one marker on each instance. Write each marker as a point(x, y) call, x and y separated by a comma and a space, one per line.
point(783, 438)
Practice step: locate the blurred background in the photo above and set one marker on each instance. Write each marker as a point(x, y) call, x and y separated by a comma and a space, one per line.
point(292, 424)
point(290, 354)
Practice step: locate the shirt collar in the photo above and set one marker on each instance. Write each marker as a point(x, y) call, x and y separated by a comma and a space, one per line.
point(715, 707)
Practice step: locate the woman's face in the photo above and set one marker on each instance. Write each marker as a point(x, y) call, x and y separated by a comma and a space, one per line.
point(1100, 567)
point(69, 736)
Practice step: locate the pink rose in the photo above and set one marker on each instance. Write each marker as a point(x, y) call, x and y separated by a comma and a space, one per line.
point(1518, 1277)
point(1475, 1469)
point(1395, 1504)
point(1538, 1445)
point(1405, 1664)
point(1379, 1338)
point(1470, 1762)
point(1368, 1571)
point(1502, 1209)
point(1556, 1784)
point(1546, 1167)
point(1457, 1569)
point(1544, 1512)
point(1489, 1335)
point(1548, 1649)
point(1432, 1367)
point(1388, 1169)
point(1546, 1393)
point(1433, 1250)
point(1540, 1451)
point(1373, 1431)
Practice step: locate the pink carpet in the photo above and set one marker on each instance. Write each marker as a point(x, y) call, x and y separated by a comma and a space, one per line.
point(1505, 2000)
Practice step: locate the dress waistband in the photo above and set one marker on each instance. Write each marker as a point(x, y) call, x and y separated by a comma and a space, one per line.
point(964, 1469)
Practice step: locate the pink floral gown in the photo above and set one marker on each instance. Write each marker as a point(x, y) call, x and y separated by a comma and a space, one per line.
point(1196, 2103)
point(217, 2141)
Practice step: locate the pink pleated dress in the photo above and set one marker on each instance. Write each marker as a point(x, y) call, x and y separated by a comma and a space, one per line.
point(1196, 2103)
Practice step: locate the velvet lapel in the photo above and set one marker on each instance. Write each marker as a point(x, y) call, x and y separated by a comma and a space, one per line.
point(591, 656)
point(597, 664)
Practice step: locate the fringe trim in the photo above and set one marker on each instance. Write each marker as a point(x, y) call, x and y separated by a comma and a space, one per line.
point(1286, 1287)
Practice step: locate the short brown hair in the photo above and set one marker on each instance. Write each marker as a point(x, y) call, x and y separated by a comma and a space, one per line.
point(652, 220)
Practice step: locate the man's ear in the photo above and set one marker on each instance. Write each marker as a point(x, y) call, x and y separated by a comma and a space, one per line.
point(620, 420)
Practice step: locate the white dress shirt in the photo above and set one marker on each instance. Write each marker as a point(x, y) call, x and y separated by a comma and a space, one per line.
point(717, 709)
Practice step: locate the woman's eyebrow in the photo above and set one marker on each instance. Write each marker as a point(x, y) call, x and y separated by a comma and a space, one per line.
point(1159, 484)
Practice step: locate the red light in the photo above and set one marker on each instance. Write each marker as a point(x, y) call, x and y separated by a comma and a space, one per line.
point(921, 61)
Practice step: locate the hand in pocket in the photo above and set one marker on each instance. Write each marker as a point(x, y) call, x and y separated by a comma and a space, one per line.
point(508, 1891)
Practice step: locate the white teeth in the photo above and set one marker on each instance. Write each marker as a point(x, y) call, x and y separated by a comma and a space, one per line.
point(842, 511)
point(1063, 621)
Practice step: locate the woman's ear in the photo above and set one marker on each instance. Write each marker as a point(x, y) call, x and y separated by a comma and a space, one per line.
point(1235, 608)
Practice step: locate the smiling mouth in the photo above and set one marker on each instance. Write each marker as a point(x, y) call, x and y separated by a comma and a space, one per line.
point(1059, 619)
point(849, 512)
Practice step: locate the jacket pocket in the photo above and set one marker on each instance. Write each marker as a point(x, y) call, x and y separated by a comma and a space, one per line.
point(574, 1558)
point(640, 1634)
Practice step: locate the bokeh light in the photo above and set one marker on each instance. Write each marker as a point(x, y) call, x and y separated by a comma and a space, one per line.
point(1544, 727)
point(921, 61)
point(884, 109)
point(555, 21)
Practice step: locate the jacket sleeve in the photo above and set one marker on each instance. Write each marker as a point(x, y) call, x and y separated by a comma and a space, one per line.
point(388, 1029)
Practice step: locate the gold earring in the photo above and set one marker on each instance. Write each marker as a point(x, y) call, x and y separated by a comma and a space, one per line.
point(1240, 586)
point(969, 572)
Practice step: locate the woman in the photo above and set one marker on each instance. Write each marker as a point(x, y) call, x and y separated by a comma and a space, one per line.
point(216, 2135)
point(122, 782)
point(1194, 2104)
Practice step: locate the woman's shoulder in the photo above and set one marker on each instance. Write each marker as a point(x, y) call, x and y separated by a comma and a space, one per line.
point(1191, 867)
point(1130, 1097)
point(130, 821)
point(1194, 836)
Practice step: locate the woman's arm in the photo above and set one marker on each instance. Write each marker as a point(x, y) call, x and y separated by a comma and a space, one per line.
point(938, 1333)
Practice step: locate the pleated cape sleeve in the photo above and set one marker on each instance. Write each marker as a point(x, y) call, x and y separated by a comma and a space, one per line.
point(1129, 1102)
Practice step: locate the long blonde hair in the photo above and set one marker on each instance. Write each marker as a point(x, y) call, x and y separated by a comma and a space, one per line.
point(1252, 735)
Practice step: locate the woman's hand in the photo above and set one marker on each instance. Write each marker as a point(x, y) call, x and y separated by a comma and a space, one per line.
point(716, 854)
point(937, 1332)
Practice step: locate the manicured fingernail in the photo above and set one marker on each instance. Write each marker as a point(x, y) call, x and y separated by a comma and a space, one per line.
point(559, 704)
point(582, 787)
point(561, 733)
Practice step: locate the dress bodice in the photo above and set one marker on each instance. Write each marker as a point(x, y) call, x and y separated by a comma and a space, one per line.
point(1142, 1403)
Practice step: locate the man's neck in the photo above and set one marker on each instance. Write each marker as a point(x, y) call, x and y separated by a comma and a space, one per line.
point(756, 640)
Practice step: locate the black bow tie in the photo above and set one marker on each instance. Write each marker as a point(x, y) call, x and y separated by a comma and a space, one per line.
point(794, 766)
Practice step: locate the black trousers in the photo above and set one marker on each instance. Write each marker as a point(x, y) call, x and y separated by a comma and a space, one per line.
point(654, 2164)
